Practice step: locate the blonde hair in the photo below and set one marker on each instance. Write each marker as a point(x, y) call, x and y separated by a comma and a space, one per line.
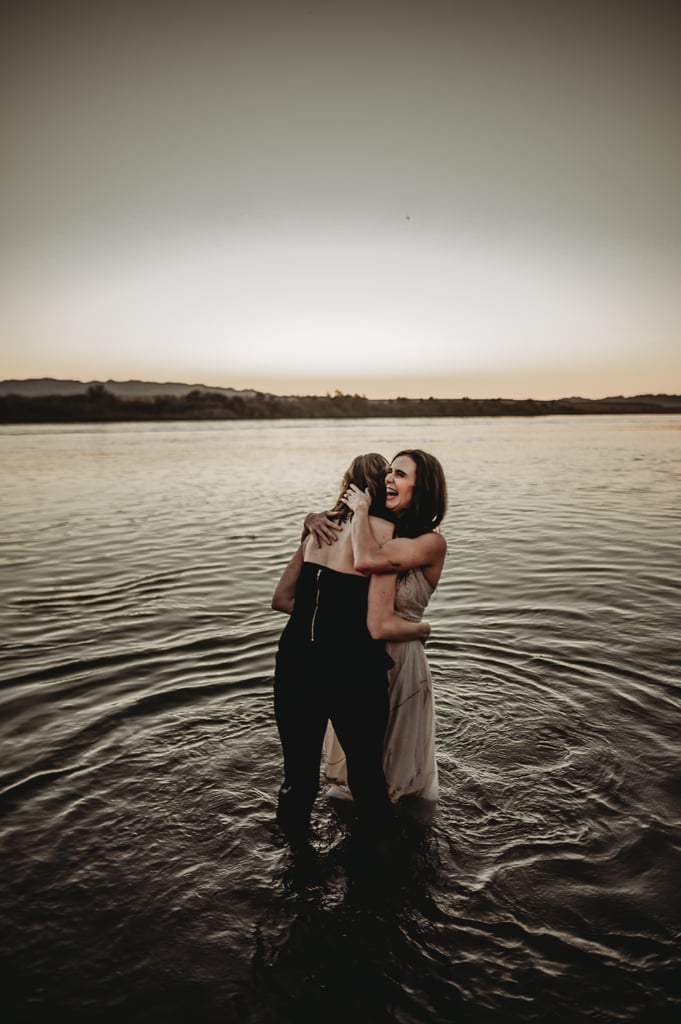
point(365, 471)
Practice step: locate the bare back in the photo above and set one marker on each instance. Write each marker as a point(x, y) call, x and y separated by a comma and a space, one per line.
point(339, 555)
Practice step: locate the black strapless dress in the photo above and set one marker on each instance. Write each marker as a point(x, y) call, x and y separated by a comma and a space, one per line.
point(329, 669)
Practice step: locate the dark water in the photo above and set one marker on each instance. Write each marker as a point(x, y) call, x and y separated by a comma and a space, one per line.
point(142, 879)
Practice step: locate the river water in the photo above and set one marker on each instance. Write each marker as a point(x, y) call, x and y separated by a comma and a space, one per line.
point(142, 877)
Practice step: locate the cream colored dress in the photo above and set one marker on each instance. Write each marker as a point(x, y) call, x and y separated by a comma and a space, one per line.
point(409, 749)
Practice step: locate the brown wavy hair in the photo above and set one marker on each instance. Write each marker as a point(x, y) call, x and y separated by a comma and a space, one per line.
point(429, 502)
point(365, 471)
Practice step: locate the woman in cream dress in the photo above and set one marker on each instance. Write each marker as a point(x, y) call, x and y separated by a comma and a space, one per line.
point(416, 495)
point(409, 746)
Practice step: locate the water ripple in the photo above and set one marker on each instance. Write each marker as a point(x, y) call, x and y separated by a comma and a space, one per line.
point(143, 877)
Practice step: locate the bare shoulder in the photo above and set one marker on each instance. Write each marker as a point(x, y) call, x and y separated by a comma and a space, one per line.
point(439, 541)
point(434, 546)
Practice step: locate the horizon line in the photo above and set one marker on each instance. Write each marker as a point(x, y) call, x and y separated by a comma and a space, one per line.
point(328, 393)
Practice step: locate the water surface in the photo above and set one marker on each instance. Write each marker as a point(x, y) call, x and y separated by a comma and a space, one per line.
point(143, 879)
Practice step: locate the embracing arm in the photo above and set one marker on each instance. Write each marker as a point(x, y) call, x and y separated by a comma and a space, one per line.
point(285, 590)
point(322, 527)
point(396, 554)
point(382, 622)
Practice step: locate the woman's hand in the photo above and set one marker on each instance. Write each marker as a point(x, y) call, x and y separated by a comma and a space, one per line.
point(354, 498)
point(322, 526)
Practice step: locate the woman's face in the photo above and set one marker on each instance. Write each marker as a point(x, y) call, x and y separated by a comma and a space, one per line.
point(399, 484)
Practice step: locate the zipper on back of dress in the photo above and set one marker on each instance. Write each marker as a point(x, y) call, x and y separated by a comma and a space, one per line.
point(316, 605)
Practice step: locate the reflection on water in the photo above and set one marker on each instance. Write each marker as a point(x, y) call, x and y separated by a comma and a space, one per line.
point(143, 878)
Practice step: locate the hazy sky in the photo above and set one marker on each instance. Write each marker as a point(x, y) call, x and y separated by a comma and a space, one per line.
point(420, 198)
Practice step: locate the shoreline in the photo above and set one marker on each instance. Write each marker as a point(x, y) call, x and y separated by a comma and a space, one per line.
point(98, 404)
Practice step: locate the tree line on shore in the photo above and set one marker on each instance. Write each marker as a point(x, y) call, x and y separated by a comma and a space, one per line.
point(98, 404)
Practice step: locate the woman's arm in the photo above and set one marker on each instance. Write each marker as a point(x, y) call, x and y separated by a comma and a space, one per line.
point(382, 622)
point(283, 598)
point(322, 527)
point(396, 554)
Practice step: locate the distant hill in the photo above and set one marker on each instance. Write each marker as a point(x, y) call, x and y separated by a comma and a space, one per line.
point(54, 401)
point(34, 387)
point(37, 387)
point(669, 401)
